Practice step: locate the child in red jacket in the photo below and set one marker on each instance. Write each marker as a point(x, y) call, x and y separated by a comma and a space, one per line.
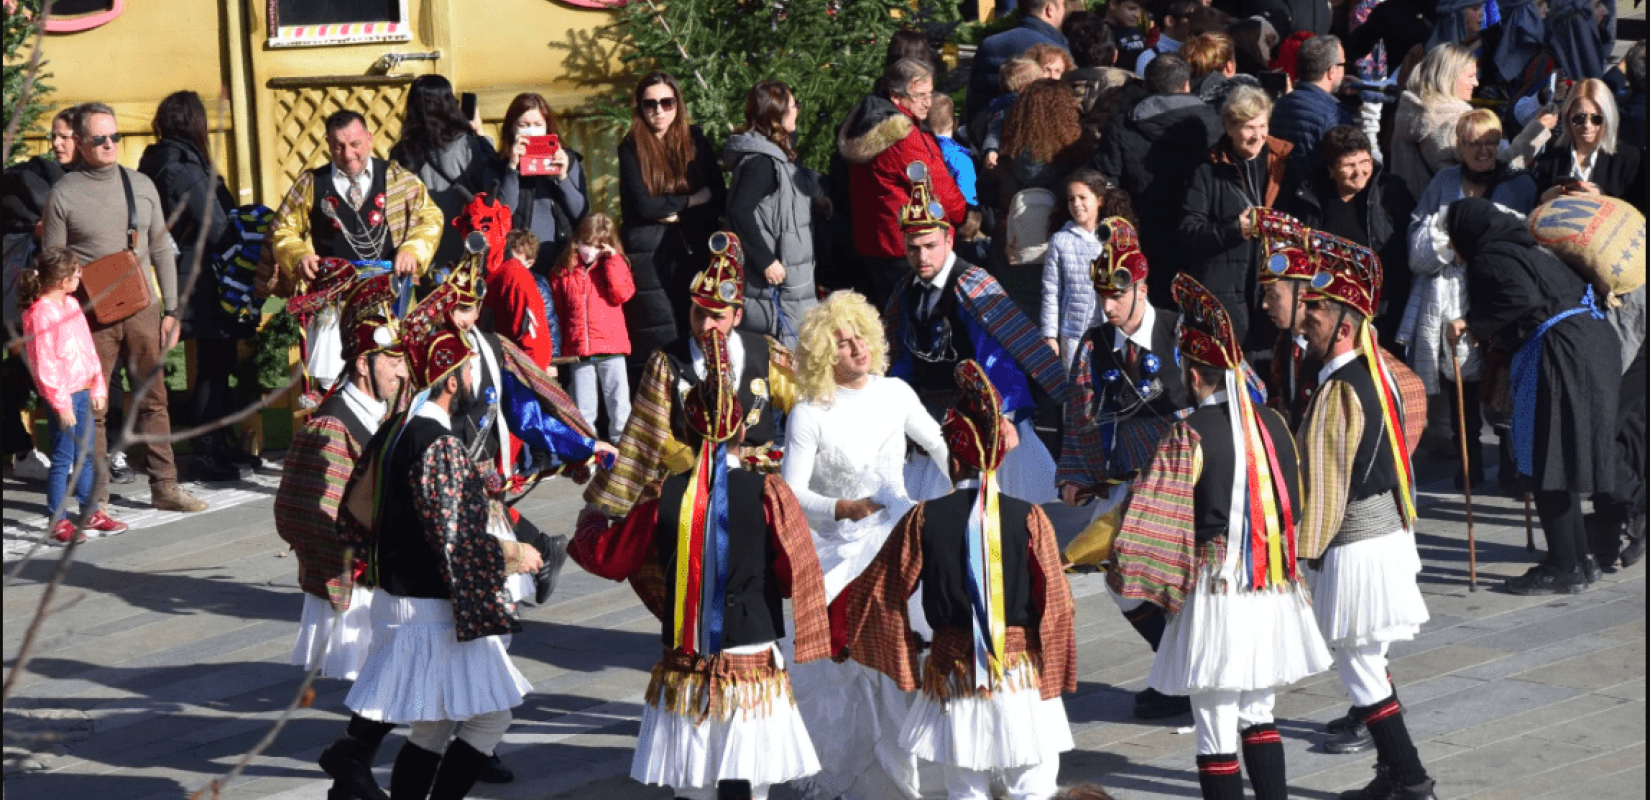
point(591, 284)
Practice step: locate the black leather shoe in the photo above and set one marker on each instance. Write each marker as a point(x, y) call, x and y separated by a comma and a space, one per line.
point(1152, 704)
point(1543, 579)
point(1420, 791)
point(210, 468)
point(494, 771)
point(1379, 789)
point(348, 762)
point(1590, 569)
point(1343, 724)
point(1634, 551)
point(1355, 739)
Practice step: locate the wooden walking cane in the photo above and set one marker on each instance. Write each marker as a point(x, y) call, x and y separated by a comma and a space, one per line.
point(1466, 471)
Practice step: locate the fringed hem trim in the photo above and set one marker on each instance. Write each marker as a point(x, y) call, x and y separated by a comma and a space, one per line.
point(718, 686)
point(948, 673)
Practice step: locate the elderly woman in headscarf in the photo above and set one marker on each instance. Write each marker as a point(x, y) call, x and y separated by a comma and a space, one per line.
point(1566, 373)
point(1520, 37)
point(1580, 34)
point(1458, 20)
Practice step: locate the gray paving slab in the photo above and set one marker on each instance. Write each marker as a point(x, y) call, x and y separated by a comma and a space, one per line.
point(177, 639)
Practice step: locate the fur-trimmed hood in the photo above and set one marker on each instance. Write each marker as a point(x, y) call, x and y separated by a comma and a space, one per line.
point(874, 125)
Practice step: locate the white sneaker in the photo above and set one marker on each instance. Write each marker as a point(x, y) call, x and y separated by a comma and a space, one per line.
point(32, 466)
point(117, 461)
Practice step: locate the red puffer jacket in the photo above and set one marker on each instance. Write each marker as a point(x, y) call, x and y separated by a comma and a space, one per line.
point(879, 140)
point(588, 304)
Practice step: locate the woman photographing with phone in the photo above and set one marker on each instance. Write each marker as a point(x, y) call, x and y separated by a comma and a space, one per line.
point(670, 197)
point(1588, 159)
point(547, 199)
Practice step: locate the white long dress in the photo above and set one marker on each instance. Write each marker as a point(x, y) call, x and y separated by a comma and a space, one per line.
point(851, 449)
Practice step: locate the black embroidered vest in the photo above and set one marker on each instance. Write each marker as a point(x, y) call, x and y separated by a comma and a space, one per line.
point(407, 564)
point(1168, 394)
point(935, 346)
point(1212, 496)
point(754, 609)
point(1373, 470)
point(945, 561)
point(328, 239)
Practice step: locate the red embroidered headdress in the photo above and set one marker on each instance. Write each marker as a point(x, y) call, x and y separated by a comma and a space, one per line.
point(491, 219)
point(973, 427)
point(368, 321)
point(1206, 333)
point(1120, 264)
point(921, 211)
point(722, 284)
point(1285, 246)
point(712, 408)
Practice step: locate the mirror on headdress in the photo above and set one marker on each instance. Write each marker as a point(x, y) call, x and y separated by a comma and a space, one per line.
point(719, 243)
point(475, 242)
point(1277, 264)
point(1322, 280)
point(916, 171)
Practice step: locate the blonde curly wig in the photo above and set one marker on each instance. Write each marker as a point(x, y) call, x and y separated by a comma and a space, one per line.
point(816, 343)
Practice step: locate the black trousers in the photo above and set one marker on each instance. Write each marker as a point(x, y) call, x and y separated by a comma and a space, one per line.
point(1563, 526)
point(1628, 497)
point(14, 393)
point(213, 398)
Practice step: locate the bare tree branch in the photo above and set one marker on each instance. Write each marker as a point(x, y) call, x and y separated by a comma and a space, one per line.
point(28, 80)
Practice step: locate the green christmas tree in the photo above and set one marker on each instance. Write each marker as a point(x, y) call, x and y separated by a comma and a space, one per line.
point(19, 28)
point(829, 52)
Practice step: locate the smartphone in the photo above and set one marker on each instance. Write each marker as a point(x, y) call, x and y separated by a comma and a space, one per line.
point(467, 103)
point(1274, 82)
point(540, 154)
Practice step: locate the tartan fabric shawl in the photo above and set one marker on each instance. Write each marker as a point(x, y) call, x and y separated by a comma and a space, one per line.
point(871, 617)
point(647, 440)
point(983, 299)
point(1156, 548)
point(1081, 462)
point(1328, 442)
point(414, 220)
point(318, 464)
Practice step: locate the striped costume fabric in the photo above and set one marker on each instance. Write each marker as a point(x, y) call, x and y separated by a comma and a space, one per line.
point(1080, 452)
point(1156, 548)
point(1329, 438)
point(647, 448)
point(414, 221)
point(871, 617)
point(318, 465)
point(982, 298)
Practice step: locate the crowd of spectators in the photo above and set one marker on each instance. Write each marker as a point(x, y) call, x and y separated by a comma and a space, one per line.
point(1183, 117)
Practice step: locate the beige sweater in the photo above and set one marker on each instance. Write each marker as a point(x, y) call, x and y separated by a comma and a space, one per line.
point(87, 214)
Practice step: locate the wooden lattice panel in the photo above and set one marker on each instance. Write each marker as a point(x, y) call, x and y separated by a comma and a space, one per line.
point(302, 105)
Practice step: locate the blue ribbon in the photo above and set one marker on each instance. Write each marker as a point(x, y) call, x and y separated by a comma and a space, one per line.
point(976, 586)
point(1526, 377)
point(716, 556)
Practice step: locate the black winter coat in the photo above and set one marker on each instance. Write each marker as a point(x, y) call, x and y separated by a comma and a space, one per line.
point(664, 257)
point(1619, 174)
point(1389, 206)
point(24, 190)
point(184, 179)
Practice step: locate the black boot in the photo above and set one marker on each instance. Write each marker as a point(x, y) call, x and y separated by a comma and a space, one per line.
point(348, 761)
point(1263, 756)
point(1633, 552)
point(459, 767)
point(207, 465)
point(1396, 749)
point(494, 771)
point(1220, 777)
point(414, 770)
point(1152, 704)
point(1545, 579)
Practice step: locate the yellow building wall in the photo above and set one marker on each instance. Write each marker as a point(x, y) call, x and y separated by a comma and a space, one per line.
point(495, 48)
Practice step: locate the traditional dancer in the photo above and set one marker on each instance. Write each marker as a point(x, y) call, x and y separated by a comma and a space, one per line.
point(1358, 529)
point(1294, 255)
point(1126, 392)
point(1209, 537)
point(335, 630)
point(713, 555)
point(651, 446)
point(422, 512)
point(992, 587)
point(358, 208)
point(947, 311)
point(844, 460)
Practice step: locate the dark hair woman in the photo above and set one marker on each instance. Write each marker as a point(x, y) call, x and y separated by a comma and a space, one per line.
point(671, 196)
point(1525, 301)
point(770, 206)
point(439, 146)
point(192, 193)
point(550, 207)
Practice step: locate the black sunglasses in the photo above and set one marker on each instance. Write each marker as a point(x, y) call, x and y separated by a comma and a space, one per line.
point(661, 104)
point(1582, 119)
point(99, 141)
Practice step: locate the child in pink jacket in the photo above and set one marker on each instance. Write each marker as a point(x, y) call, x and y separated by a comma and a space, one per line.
point(590, 284)
point(66, 370)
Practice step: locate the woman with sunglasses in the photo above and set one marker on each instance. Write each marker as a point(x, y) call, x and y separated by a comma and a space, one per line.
point(1587, 158)
point(670, 197)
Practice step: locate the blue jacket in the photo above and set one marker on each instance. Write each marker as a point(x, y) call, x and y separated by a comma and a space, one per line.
point(960, 164)
point(1302, 117)
point(996, 50)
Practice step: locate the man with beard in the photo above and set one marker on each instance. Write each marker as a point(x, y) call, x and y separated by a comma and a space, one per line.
point(1126, 392)
point(335, 630)
point(1357, 531)
point(424, 516)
